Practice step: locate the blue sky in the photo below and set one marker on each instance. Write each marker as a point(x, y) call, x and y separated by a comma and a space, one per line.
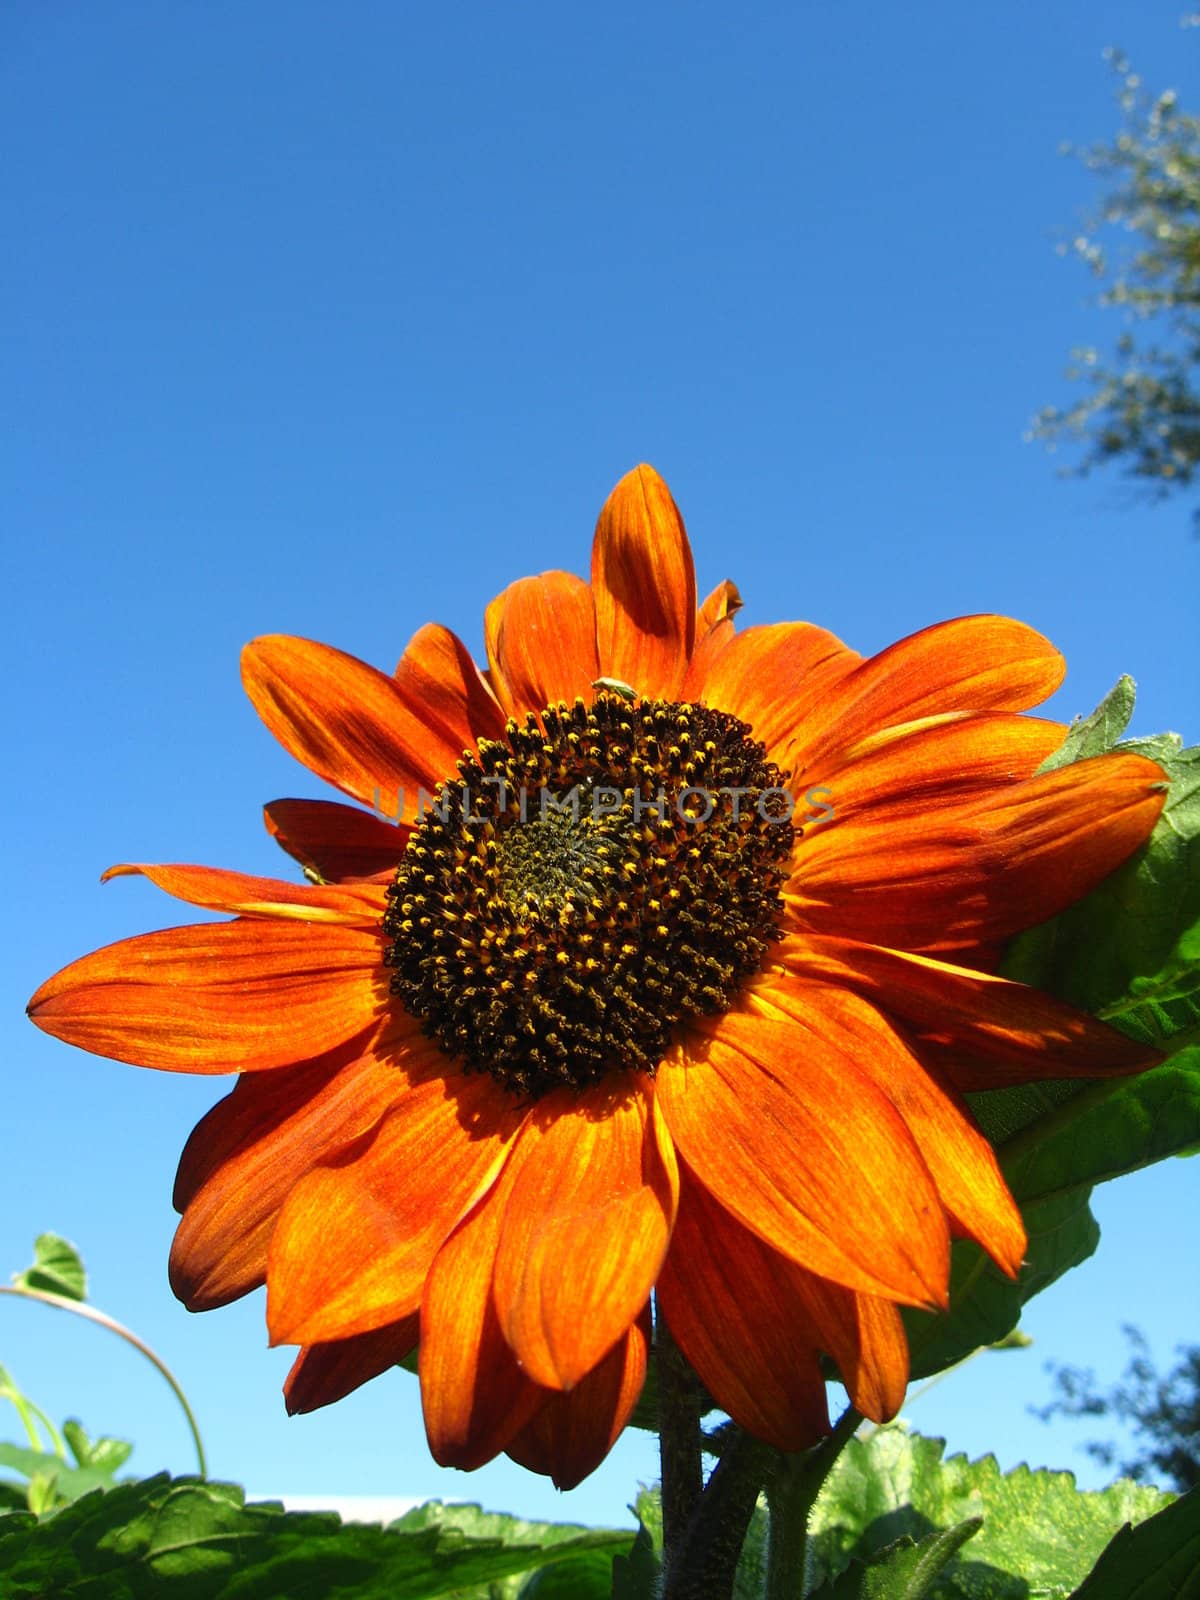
point(332, 321)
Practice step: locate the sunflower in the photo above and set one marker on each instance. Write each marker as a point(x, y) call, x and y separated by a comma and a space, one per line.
point(662, 974)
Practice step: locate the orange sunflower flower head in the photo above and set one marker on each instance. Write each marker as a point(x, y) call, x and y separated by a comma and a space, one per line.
point(651, 964)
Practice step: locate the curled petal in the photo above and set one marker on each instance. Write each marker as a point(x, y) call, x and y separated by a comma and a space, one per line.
point(750, 1321)
point(715, 632)
point(261, 897)
point(731, 1304)
point(337, 843)
point(644, 584)
point(722, 605)
point(865, 1336)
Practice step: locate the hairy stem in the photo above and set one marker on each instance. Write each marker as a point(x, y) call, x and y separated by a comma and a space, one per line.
point(679, 1440)
point(705, 1562)
point(791, 1494)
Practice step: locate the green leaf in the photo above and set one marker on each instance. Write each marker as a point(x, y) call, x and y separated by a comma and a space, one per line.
point(70, 1482)
point(647, 1508)
point(471, 1521)
point(1092, 736)
point(1039, 1533)
point(1103, 1130)
point(42, 1494)
point(985, 1305)
point(636, 1576)
point(1157, 1560)
point(57, 1269)
point(1110, 1128)
point(1128, 952)
point(586, 1577)
point(109, 1455)
point(196, 1540)
point(11, 1499)
point(904, 1570)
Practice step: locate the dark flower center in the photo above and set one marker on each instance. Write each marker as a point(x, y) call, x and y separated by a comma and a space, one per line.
point(592, 879)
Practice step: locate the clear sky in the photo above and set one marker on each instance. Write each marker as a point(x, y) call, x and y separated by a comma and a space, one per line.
point(332, 320)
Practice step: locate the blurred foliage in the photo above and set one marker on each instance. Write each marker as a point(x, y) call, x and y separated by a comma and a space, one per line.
point(1163, 1413)
point(1141, 403)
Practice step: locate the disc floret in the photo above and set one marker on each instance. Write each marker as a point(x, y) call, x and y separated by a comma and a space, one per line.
point(596, 876)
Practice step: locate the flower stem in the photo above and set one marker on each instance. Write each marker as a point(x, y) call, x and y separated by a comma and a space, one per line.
point(791, 1494)
point(92, 1315)
point(705, 1562)
point(678, 1439)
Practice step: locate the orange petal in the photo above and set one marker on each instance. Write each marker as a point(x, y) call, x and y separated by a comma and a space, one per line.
point(338, 843)
point(715, 631)
point(946, 762)
point(984, 870)
point(731, 1303)
point(436, 673)
point(261, 897)
point(756, 1354)
point(960, 1160)
point(224, 997)
point(248, 1153)
point(572, 1433)
point(354, 1241)
point(981, 663)
point(774, 677)
point(323, 1373)
point(877, 1375)
point(865, 1336)
point(348, 723)
point(721, 605)
point(542, 642)
point(589, 1214)
point(796, 1141)
point(708, 647)
point(474, 1395)
point(1015, 1034)
point(645, 587)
